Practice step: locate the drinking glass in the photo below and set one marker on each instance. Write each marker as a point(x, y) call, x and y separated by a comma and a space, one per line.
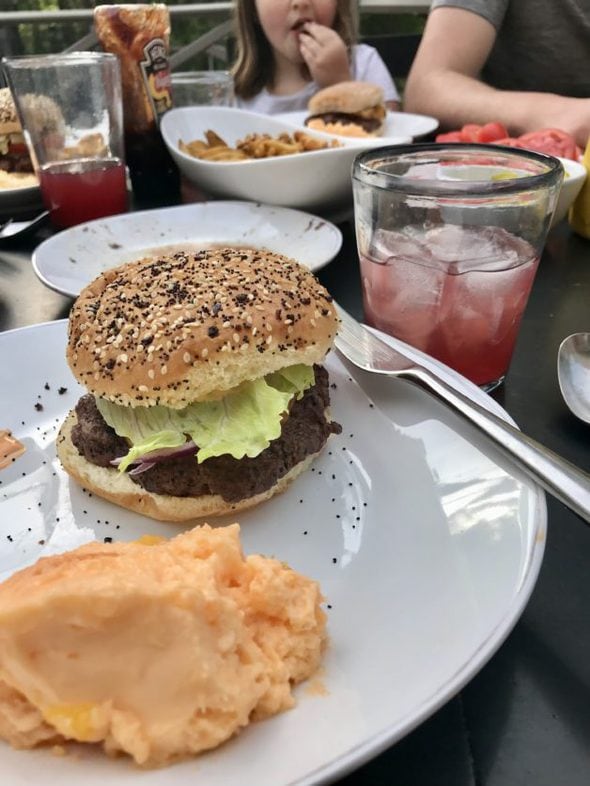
point(449, 240)
point(71, 112)
point(202, 88)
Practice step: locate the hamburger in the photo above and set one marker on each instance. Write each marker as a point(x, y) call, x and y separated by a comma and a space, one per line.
point(205, 390)
point(14, 155)
point(348, 109)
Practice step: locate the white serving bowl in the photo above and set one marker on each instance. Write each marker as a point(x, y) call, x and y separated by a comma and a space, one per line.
point(575, 175)
point(318, 180)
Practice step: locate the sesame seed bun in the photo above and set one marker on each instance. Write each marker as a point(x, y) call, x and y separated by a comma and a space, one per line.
point(190, 326)
point(118, 487)
point(350, 97)
point(9, 122)
point(15, 161)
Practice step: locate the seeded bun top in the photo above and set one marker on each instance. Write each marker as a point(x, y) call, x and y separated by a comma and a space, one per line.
point(349, 97)
point(9, 122)
point(189, 326)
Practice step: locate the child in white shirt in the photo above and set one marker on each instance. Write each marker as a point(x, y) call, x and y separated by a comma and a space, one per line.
point(290, 49)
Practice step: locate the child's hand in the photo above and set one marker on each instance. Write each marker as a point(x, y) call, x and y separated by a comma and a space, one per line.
point(325, 54)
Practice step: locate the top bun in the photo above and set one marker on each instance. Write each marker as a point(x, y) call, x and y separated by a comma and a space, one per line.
point(9, 122)
point(192, 325)
point(349, 97)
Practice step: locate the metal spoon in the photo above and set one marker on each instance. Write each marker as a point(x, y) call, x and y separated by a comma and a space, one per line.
point(573, 373)
point(13, 229)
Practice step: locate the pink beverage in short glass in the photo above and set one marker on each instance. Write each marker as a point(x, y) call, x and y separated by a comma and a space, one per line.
point(455, 292)
point(84, 189)
point(449, 239)
point(71, 112)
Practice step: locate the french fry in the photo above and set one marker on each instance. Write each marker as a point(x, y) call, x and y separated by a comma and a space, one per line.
point(308, 142)
point(222, 154)
point(213, 150)
point(194, 148)
point(253, 146)
point(213, 140)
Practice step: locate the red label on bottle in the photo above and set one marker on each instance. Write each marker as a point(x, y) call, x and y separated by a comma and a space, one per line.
point(155, 69)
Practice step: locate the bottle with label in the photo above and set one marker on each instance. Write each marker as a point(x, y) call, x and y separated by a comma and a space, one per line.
point(139, 35)
point(579, 216)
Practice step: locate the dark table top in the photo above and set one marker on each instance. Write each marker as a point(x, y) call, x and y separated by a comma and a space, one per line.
point(525, 718)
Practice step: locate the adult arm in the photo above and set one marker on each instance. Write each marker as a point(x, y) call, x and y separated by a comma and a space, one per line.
point(444, 81)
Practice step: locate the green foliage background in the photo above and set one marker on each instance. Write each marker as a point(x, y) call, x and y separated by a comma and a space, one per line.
point(54, 36)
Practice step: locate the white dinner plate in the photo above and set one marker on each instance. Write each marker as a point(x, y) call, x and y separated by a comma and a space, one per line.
point(425, 542)
point(70, 260)
point(397, 124)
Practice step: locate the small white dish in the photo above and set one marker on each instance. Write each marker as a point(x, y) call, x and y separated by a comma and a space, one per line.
point(396, 125)
point(70, 260)
point(426, 543)
point(574, 177)
point(319, 180)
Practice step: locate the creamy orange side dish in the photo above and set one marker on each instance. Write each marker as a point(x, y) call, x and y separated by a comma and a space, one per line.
point(159, 649)
point(10, 448)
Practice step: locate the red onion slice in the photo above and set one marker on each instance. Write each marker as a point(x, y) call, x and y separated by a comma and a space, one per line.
point(143, 466)
point(148, 460)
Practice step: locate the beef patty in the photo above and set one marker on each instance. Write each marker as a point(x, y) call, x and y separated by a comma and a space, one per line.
point(304, 432)
point(369, 124)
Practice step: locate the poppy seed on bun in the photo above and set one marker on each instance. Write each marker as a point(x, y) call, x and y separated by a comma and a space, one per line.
point(172, 331)
point(175, 329)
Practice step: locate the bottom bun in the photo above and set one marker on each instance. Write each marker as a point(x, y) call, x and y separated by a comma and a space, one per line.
point(342, 128)
point(117, 487)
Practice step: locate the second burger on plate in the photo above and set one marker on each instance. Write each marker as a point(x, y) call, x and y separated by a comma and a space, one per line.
point(348, 109)
point(14, 155)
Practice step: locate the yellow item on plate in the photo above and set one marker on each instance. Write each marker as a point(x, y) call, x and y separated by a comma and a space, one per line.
point(579, 216)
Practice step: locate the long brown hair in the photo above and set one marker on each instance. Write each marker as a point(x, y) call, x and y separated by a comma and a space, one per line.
point(254, 68)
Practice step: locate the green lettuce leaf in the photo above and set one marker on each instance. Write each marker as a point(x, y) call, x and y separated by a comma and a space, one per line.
point(292, 379)
point(242, 423)
point(146, 428)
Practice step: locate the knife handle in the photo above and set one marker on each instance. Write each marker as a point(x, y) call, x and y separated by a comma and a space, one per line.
point(559, 477)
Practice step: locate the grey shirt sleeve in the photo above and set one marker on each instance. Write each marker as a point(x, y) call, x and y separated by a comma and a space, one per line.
point(492, 10)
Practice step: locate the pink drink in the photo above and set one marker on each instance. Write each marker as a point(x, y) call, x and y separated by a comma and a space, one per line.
point(457, 293)
point(83, 189)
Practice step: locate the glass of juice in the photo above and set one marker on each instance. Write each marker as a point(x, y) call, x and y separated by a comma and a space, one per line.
point(449, 239)
point(71, 111)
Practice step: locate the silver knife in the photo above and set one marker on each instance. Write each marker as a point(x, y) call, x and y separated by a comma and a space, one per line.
point(559, 477)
